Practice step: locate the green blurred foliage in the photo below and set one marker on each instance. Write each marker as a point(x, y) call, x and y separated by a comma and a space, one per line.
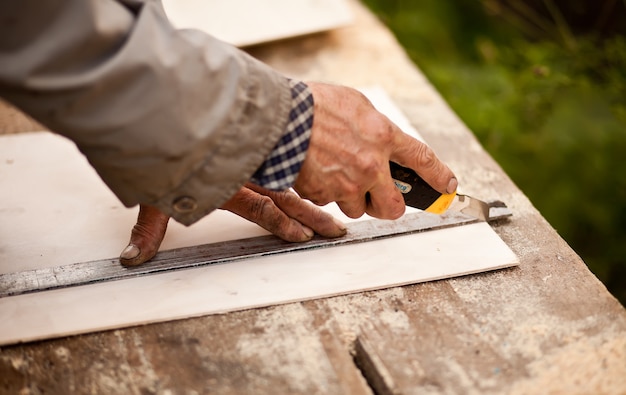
point(547, 102)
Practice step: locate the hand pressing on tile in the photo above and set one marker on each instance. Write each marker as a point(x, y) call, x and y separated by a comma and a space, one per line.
point(282, 213)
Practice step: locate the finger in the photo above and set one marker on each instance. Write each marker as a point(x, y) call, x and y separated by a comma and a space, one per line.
point(418, 156)
point(262, 211)
point(385, 201)
point(353, 208)
point(146, 236)
point(304, 212)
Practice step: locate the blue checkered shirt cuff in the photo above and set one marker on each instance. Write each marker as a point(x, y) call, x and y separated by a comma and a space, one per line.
point(281, 168)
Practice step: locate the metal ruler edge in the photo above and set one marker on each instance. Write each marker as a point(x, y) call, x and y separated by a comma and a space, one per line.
point(83, 273)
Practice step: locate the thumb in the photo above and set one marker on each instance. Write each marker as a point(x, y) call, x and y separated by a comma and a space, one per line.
point(146, 236)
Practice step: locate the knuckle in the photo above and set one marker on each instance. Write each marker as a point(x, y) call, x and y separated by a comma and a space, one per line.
point(353, 213)
point(261, 207)
point(350, 191)
point(381, 128)
point(320, 199)
point(389, 211)
point(353, 208)
point(360, 97)
point(148, 232)
point(289, 198)
point(316, 195)
point(385, 132)
point(369, 165)
point(320, 217)
point(392, 208)
point(426, 157)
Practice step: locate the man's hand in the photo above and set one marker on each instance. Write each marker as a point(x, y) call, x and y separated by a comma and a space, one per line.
point(347, 162)
point(349, 152)
point(284, 214)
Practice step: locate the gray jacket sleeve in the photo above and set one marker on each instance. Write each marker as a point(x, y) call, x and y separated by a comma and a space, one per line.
point(171, 118)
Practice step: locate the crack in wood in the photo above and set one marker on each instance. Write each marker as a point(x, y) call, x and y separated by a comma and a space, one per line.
point(372, 368)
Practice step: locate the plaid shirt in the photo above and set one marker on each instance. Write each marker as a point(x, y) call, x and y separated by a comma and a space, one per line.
point(281, 168)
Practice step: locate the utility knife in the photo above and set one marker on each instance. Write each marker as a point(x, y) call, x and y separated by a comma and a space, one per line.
point(419, 194)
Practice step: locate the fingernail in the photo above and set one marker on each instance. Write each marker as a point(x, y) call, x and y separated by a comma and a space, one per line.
point(130, 252)
point(308, 231)
point(452, 185)
point(339, 224)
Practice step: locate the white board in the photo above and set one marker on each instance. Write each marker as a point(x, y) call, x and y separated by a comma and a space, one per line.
point(54, 210)
point(248, 22)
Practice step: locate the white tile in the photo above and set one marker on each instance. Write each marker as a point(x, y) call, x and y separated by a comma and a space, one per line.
point(247, 22)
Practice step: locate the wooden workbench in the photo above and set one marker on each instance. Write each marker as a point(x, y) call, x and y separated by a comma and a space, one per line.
point(547, 326)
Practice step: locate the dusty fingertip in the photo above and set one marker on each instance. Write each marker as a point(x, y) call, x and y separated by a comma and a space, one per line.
point(342, 227)
point(130, 252)
point(452, 185)
point(131, 256)
point(308, 232)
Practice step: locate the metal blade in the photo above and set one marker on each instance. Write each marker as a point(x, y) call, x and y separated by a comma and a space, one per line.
point(484, 211)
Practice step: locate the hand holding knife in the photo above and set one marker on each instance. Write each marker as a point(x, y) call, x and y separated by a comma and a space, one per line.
point(417, 193)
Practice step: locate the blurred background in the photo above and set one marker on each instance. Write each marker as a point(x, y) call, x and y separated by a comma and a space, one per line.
point(542, 84)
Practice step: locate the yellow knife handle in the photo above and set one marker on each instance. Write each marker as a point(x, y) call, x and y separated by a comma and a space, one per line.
point(417, 192)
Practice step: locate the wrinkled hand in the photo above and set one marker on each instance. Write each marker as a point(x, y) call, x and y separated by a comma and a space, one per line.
point(349, 152)
point(284, 214)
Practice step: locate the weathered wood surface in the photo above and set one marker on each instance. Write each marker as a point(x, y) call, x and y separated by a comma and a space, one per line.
point(548, 326)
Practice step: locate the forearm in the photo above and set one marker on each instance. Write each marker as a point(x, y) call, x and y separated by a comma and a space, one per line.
point(161, 114)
